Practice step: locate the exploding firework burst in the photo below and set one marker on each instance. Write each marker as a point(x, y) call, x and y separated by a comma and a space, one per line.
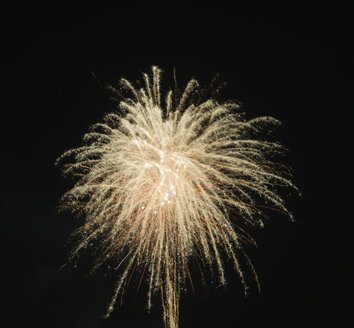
point(158, 179)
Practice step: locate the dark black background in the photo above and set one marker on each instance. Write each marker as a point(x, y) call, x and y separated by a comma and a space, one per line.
point(287, 62)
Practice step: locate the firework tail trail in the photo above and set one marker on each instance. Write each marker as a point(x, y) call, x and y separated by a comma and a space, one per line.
point(156, 181)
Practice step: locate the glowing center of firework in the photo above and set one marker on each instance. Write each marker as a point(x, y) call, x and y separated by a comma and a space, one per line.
point(169, 168)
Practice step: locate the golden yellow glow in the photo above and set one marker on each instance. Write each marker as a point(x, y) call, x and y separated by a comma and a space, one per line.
point(158, 179)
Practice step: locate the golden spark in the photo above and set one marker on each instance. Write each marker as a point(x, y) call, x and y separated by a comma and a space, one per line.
point(157, 181)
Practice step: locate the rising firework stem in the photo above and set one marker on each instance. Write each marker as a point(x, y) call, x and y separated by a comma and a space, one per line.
point(158, 179)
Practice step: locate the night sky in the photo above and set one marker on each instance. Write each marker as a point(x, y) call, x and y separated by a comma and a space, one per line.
point(284, 62)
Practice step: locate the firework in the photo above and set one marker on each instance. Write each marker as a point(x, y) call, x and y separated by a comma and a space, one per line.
point(158, 179)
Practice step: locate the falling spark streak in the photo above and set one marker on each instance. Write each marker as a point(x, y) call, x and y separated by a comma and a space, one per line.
point(156, 184)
